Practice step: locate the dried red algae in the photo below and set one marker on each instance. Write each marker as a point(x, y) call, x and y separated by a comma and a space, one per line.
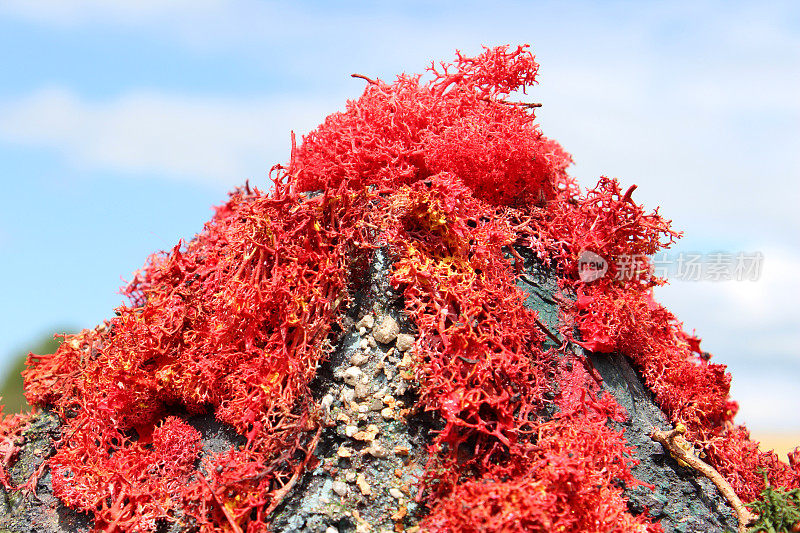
point(235, 321)
point(618, 313)
point(451, 177)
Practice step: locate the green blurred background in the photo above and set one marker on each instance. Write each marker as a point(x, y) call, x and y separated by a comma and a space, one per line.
point(13, 399)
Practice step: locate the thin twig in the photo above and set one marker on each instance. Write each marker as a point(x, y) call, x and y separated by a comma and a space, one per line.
point(547, 332)
point(529, 105)
point(669, 439)
point(367, 78)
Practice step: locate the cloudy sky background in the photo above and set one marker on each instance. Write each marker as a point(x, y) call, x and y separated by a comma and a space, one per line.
point(122, 123)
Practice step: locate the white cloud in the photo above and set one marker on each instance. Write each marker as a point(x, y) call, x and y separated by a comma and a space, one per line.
point(219, 140)
point(744, 319)
point(767, 402)
point(751, 326)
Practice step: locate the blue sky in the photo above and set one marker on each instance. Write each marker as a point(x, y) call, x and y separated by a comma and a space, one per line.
point(122, 123)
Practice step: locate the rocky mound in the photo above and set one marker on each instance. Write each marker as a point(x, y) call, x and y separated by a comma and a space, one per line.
point(397, 336)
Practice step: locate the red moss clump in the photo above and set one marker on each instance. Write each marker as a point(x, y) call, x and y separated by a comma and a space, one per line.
point(451, 177)
point(152, 476)
point(618, 313)
point(457, 122)
point(235, 321)
point(568, 485)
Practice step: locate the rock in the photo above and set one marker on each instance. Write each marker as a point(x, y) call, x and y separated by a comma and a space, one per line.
point(404, 342)
point(358, 359)
point(401, 450)
point(352, 376)
point(348, 395)
point(362, 390)
point(387, 331)
point(682, 501)
point(693, 500)
point(344, 452)
point(367, 322)
point(339, 488)
point(377, 451)
point(367, 435)
point(363, 486)
point(327, 401)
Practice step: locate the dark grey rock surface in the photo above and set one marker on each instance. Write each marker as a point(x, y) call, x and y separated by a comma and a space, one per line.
point(682, 501)
point(23, 511)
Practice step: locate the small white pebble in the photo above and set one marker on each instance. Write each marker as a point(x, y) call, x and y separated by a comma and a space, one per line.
point(395, 493)
point(344, 452)
point(363, 486)
point(340, 488)
point(387, 331)
point(387, 413)
point(350, 430)
point(348, 395)
point(377, 451)
point(368, 322)
point(406, 362)
point(352, 375)
point(327, 401)
point(350, 476)
point(362, 390)
point(358, 359)
point(362, 331)
point(363, 344)
point(404, 342)
point(331, 529)
point(371, 342)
